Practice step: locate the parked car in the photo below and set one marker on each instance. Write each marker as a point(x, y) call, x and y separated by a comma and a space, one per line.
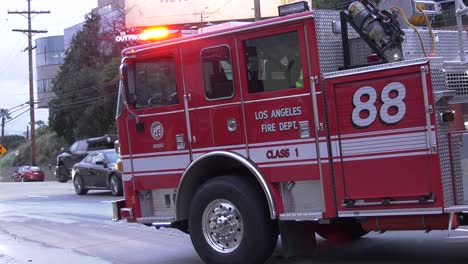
point(77, 151)
point(97, 171)
point(28, 173)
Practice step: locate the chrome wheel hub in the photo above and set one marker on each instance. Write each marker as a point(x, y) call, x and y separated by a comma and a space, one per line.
point(222, 226)
point(78, 184)
point(113, 185)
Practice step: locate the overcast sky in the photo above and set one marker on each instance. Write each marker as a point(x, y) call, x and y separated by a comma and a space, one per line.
point(14, 74)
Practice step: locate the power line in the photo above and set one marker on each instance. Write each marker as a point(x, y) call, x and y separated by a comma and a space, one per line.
point(100, 86)
point(87, 101)
point(30, 33)
point(70, 94)
point(22, 113)
point(23, 107)
point(73, 107)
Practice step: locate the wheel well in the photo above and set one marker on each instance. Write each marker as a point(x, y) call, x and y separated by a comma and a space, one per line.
point(213, 165)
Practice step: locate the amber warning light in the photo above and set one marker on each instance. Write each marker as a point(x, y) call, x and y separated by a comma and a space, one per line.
point(154, 33)
point(150, 34)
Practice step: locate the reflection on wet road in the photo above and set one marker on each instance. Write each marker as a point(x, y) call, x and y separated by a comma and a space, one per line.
point(48, 223)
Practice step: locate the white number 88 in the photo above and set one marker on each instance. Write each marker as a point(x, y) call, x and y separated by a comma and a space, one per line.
point(388, 103)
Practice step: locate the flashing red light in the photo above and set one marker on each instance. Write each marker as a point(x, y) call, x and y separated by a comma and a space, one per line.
point(154, 33)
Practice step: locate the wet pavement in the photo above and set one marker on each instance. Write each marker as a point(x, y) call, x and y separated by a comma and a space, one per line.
point(48, 223)
point(17, 250)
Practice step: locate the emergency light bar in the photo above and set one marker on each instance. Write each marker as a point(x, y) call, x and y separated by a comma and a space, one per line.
point(154, 33)
point(150, 34)
point(293, 8)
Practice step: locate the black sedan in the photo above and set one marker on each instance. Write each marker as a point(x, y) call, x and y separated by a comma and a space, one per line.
point(97, 171)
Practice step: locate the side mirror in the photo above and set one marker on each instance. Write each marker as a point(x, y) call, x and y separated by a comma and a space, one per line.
point(117, 146)
point(103, 163)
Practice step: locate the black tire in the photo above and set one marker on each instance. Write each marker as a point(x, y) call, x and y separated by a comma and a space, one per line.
point(242, 219)
point(342, 231)
point(115, 185)
point(62, 174)
point(79, 186)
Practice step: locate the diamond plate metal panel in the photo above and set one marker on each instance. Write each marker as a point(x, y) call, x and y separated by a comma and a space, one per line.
point(457, 144)
point(302, 197)
point(158, 203)
point(301, 216)
point(444, 155)
point(331, 48)
point(329, 44)
point(373, 68)
point(446, 44)
point(442, 130)
point(455, 79)
point(146, 203)
point(164, 202)
point(456, 209)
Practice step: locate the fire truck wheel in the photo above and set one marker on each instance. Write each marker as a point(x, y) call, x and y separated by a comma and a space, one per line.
point(342, 231)
point(115, 186)
point(229, 222)
point(78, 184)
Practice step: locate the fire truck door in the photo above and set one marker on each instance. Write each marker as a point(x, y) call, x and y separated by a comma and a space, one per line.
point(214, 107)
point(279, 113)
point(156, 127)
point(382, 133)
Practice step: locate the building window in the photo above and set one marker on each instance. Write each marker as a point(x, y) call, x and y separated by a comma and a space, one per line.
point(217, 73)
point(44, 85)
point(105, 9)
point(273, 62)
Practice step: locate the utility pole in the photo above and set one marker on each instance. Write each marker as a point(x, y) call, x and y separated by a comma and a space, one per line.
point(257, 13)
point(29, 32)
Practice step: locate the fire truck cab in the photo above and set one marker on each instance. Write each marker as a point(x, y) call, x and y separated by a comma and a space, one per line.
point(282, 126)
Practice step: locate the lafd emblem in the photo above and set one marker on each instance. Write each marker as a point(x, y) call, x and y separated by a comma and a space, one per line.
point(157, 130)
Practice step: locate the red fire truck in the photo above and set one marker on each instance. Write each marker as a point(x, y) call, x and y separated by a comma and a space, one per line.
point(318, 122)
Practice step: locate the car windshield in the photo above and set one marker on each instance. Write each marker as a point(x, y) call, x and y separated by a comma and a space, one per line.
point(112, 157)
point(33, 168)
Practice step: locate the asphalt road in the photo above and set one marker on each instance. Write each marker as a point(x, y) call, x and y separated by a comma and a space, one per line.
point(48, 223)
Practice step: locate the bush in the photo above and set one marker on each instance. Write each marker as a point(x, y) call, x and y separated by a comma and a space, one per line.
point(47, 147)
point(12, 142)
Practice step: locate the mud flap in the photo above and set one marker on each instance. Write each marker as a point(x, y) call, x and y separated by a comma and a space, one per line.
point(297, 238)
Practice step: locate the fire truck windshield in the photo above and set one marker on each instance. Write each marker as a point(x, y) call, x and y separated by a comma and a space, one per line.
point(155, 82)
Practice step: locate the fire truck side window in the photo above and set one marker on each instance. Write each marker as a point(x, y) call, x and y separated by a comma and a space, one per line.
point(217, 72)
point(273, 62)
point(155, 83)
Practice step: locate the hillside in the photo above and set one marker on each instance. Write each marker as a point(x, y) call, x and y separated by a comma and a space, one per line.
point(47, 147)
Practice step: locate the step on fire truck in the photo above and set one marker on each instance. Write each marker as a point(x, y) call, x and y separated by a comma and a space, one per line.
point(335, 123)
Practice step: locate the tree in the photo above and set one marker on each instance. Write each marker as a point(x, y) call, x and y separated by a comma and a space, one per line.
point(328, 4)
point(86, 85)
point(333, 4)
point(42, 128)
point(5, 115)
